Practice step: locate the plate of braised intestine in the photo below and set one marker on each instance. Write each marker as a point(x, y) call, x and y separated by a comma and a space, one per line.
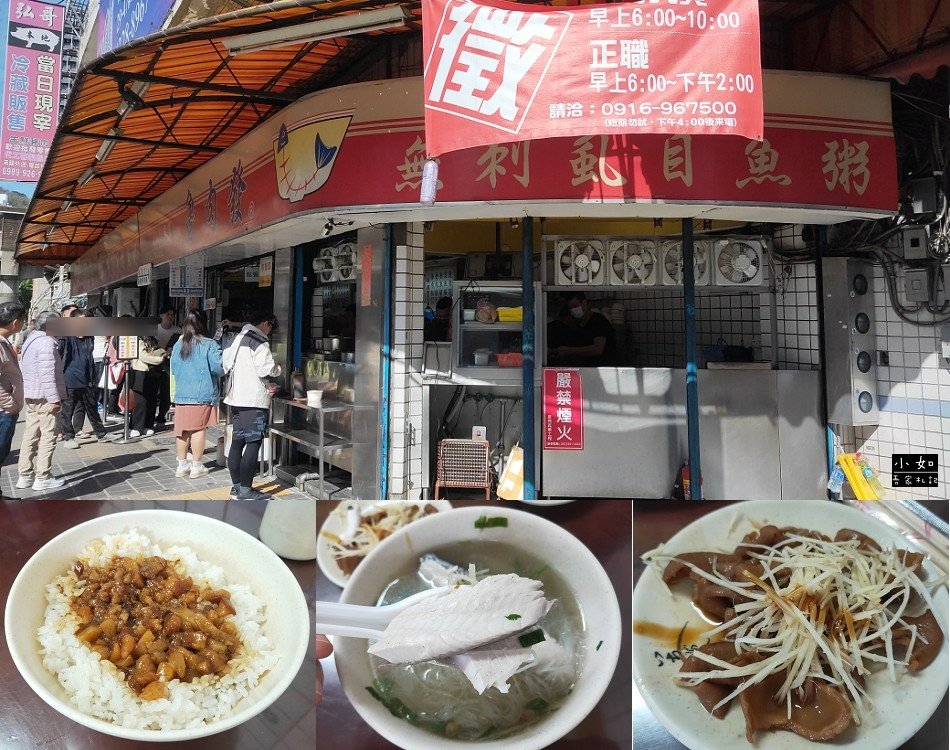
point(781, 625)
point(356, 527)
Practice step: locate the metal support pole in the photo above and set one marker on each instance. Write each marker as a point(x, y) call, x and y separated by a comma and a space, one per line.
point(527, 349)
point(385, 346)
point(692, 377)
point(821, 247)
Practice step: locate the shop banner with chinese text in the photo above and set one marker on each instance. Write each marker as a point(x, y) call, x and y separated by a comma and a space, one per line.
point(500, 72)
point(118, 22)
point(31, 73)
point(563, 419)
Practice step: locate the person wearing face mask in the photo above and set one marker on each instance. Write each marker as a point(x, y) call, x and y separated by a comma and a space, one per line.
point(593, 342)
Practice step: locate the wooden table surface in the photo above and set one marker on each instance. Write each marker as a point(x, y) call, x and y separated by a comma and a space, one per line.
point(602, 525)
point(26, 722)
point(655, 522)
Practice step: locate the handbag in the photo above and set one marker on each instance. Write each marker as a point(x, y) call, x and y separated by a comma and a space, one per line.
point(227, 379)
point(127, 405)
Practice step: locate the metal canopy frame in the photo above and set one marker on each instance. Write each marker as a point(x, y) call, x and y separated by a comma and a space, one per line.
point(138, 96)
point(168, 103)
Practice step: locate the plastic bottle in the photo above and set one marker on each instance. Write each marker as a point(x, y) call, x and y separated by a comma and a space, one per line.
point(836, 480)
point(871, 475)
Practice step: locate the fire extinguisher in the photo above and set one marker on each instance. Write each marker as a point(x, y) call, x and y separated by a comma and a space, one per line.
point(681, 484)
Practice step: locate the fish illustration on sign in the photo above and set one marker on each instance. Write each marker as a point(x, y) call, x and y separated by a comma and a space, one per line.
point(36, 36)
point(304, 156)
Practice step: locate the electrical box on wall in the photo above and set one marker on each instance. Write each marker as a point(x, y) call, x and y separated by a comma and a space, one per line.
point(914, 241)
point(916, 288)
point(849, 342)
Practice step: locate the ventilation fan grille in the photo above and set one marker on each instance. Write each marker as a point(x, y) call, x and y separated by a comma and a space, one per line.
point(579, 262)
point(740, 262)
point(634, 263)
point(671, 265)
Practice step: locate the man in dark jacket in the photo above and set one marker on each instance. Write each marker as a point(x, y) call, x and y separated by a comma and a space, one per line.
point(79, 371)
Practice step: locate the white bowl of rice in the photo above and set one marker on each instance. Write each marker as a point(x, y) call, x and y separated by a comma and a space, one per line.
point(502, 540)
point(271, 616)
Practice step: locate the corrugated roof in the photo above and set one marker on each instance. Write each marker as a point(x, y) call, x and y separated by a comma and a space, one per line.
point(167, 104)
point(199, 100)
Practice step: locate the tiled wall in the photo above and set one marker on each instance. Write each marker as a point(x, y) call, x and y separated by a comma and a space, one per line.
point(652, 334)
point(913, 397)
point(405, 456)
point(796, 318)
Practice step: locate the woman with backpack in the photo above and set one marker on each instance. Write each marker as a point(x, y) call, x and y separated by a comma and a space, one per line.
point(196, 366)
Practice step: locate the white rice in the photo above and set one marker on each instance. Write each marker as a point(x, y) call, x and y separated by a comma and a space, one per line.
point(98, 688)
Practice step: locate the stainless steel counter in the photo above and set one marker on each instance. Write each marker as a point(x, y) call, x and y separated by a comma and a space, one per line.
point(760, 430)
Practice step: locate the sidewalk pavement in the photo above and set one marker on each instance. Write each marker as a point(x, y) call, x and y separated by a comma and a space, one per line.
point(139, 470)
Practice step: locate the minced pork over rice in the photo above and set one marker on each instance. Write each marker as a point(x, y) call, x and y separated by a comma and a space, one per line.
point(98, 687)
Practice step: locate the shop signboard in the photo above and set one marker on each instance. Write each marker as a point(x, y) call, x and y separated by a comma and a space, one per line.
point(828, 151)
point(252, 274)
point(502, 72)
point(563, 403)
point(144, 275)
point(266, 272)
point(187, 277)
point(118, 22)
point(33, 36)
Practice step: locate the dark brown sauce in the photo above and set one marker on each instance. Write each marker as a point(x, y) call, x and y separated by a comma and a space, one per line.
point(675, 636)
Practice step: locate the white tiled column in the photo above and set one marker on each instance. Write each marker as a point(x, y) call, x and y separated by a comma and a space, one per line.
point(405, 422)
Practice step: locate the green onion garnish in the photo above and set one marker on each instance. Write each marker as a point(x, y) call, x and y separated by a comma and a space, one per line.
point(486, 522)
point(529, 639)
point(512, 617)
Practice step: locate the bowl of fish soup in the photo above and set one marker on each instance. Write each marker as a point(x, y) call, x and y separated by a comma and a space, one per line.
point(544, 702)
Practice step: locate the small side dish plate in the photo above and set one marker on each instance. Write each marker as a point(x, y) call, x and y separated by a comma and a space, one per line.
point(334, 525)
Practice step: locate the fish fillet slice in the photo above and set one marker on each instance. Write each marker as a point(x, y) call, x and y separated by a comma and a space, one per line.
point(493, 665)
point(462, 619)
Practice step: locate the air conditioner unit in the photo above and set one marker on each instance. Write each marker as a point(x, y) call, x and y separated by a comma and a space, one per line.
point(671, 263)
point(740, 262)
point(633, 262)
point(579, 262)
point(345, 256)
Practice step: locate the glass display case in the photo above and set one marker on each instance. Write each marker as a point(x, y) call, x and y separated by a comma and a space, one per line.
point(487, 331)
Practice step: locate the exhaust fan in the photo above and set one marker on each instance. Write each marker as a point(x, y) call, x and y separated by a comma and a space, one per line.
point(672, 263)
point(579, 262)
point(633, 263)
point(740, 262)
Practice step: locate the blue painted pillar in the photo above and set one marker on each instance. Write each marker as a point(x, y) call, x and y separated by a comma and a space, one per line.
point(692, 377)
point(527, 349)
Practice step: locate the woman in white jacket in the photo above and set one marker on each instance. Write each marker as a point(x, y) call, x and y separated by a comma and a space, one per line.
point(247, 363)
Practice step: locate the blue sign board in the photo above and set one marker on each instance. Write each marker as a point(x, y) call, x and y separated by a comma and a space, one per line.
point(121, 21)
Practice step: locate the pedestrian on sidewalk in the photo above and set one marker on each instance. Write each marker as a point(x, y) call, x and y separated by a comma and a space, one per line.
point(79, 371)
point(44, 390)
point(167, 334)
point(248, 362)
point(146, 374)
point(12, 316)
point(196, 366)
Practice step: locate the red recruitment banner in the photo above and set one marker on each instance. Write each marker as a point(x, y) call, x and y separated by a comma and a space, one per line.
point(31, 80)
point(563, 403)
point(499, 72)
